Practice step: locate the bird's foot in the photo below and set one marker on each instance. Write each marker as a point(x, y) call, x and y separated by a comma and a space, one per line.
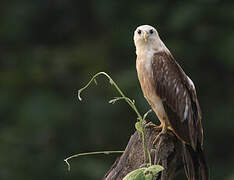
point(164, 131)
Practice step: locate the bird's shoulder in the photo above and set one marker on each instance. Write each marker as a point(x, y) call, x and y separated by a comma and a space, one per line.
point(164, 61)
point(165, 67)
point(166, 71)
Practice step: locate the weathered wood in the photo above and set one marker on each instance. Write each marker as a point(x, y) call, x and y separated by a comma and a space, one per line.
point(166, 152)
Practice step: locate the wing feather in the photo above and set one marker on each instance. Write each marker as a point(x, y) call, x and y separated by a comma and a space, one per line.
point(179, 98)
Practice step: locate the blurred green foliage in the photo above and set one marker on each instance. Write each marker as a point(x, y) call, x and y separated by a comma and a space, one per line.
point(49, 49)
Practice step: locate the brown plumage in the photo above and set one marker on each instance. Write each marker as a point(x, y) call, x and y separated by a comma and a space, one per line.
point(179, 98)
point(172, 96)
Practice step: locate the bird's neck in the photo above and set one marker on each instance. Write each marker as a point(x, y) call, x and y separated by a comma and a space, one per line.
point(150, 47)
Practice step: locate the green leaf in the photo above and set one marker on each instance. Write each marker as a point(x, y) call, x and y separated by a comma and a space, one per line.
point(137, 174)
point(148, 177)
point(154, 169)
point(144, 173)
point(139, 127)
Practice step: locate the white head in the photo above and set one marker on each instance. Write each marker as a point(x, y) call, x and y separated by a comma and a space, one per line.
point(146, 38)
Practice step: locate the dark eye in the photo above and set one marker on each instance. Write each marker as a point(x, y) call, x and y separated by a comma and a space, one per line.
point(151, 31)
point(139, 31)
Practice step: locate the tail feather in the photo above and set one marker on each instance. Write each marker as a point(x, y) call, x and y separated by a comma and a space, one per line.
point(195, 163)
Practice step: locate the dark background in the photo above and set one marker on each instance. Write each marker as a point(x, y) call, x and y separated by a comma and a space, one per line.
point(50, 49)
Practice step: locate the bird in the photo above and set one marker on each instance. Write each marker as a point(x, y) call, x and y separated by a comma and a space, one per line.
point(172, 96)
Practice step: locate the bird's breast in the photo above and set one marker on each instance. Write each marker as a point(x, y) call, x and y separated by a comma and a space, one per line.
point(146, 79)
point(148, 86)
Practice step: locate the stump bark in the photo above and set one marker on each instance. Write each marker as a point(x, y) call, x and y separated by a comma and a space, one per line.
point(166, 152)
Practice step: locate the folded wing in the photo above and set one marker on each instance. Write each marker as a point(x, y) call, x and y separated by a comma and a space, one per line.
point(179, 98)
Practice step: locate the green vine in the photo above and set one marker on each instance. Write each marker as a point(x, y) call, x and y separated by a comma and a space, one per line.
point(89, 153)
point(140, 125)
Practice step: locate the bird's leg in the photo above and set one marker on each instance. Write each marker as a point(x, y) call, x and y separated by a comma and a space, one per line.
point(164, 130)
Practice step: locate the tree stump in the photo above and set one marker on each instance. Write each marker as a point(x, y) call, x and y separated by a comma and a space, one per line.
point(167, 152)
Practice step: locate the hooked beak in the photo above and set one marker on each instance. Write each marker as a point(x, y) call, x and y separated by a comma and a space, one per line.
point(145, 36)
